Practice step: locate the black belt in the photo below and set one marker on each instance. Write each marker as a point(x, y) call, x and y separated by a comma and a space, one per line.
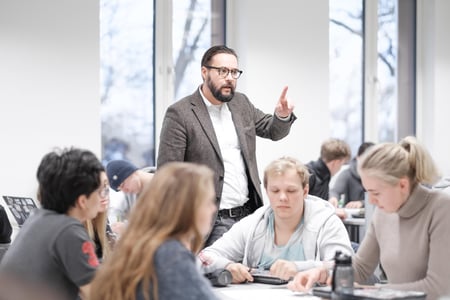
point(235, 212)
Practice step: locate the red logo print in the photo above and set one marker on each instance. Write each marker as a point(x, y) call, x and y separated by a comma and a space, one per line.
point(88, 249)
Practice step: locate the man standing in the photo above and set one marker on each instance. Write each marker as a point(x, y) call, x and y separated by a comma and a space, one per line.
point(217, 126)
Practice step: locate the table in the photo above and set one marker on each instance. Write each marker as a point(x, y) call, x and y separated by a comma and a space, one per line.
point(260, 291)
point(355, 226)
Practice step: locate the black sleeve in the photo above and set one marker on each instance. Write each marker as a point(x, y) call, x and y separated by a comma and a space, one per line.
point(5, 227)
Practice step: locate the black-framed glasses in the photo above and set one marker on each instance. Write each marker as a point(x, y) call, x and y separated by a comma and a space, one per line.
point(223, 71)
point(104, 191)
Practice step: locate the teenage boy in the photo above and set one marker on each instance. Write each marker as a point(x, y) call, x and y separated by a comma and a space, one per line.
point(53, 249)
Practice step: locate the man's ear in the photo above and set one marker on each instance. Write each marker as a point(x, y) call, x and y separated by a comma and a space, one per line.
point(306, 190)
point(81, 202)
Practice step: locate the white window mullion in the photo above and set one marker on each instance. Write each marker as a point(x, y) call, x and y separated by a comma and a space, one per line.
point(371, 92)
point(164, 69)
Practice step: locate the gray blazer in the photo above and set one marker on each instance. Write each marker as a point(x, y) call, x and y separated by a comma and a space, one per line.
point(188, 134)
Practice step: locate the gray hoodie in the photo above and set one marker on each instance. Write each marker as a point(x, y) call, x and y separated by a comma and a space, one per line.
point(323, 234)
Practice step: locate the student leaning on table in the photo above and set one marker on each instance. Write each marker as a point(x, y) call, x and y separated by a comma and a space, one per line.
point(155, 256)
point(296, 231)
point(408, 234)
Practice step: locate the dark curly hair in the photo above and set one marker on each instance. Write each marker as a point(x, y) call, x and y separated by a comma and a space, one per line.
point(64, 175)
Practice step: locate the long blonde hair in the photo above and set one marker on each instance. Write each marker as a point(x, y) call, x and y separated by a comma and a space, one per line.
point(97, 226)
point(389, 162)
point(166, 209)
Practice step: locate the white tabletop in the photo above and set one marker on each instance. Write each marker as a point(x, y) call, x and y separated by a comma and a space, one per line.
point(259, 291)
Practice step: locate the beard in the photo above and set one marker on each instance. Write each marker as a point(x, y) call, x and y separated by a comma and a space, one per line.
point(217, 91)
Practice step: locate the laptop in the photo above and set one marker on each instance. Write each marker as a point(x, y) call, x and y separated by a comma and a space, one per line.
point(19, 207)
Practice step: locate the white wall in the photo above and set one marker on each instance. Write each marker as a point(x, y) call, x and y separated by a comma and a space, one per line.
point(280, 43)
point(433, 67)
point(49, 77)
point(49, 85)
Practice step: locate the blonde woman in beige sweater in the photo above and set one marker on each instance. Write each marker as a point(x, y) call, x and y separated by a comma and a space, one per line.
point(408, 233)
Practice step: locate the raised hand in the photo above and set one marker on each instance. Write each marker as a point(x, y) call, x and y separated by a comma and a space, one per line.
point(284, 107)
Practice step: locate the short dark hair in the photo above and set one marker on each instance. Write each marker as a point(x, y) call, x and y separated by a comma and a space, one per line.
point(64, 175)
point(214, 50)
point(363, 147)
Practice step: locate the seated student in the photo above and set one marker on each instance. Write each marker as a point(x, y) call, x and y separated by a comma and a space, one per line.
point(5, 227)
point(295, 232)
point(126, 178)
point(98, 228)
point(155, 257)
point(5, 232)
point(53, 248)
point(348, 183)
point(408, 233)
point(334, 153)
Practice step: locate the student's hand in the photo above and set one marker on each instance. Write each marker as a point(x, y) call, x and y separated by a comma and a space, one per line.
point(284, 107)
point(340, 212)
point(283, 269)
point(118, 228)
point(333, 201)
point(304, 281)
point(354, 204)
point(239, 272)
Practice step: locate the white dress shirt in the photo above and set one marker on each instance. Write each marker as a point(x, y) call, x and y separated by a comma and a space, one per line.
point(235, 186)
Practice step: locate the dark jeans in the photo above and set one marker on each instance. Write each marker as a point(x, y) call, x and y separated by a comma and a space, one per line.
point(221, 225)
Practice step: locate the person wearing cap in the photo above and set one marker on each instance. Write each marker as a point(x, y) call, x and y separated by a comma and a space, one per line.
point(127, 179)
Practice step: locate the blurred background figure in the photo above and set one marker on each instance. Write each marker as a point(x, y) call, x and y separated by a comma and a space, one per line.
point(128, 181)
point(98, 228)
point(334, 153)
point(5, 232)
point(348, 185)
point(155, 257)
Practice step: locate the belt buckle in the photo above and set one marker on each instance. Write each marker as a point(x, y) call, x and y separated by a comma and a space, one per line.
point(231, 214)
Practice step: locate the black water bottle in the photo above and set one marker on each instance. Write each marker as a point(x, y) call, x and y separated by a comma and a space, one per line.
point(342, 281)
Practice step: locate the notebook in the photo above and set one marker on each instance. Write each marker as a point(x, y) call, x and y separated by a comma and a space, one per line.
point(20, 207)
point(371, 294)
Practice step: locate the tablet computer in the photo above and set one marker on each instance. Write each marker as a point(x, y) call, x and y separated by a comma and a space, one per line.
point(260, 276)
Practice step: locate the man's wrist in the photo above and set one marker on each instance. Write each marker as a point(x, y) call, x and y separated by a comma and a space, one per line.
point(288, 118)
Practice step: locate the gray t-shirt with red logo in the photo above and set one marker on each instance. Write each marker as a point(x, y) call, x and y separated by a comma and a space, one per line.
point(54, 250)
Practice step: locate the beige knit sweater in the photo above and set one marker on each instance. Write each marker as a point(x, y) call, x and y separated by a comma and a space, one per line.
point(413, 245)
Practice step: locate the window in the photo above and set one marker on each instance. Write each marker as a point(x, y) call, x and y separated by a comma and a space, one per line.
point(126, 76)
point(365, 76)
point(346, 65)
point(127, 44)
point(387, 71)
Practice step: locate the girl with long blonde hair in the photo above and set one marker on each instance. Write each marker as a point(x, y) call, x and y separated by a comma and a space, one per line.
point(98, 228)
point(155, 256)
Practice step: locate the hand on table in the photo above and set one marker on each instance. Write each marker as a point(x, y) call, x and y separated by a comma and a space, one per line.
point(239, 272)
